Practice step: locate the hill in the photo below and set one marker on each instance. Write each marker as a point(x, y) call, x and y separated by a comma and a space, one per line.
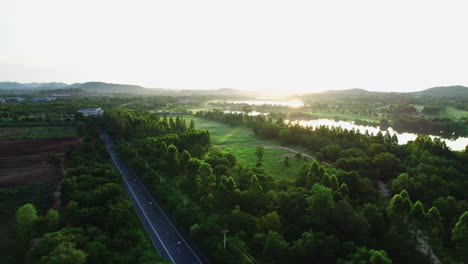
point(354, 91)
point(108, 87)
point(39, 86)
point(444, 91)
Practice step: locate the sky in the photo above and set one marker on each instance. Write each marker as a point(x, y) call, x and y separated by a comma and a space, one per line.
point(293, 46)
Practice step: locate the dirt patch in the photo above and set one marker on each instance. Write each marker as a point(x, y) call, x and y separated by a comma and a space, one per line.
point(15, 148)
point(26, 161)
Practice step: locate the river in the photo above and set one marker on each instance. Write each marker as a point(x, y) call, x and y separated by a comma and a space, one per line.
point(457, 144)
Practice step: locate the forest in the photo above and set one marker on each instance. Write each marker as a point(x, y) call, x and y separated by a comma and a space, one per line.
point(331, 212)
point(96, 222)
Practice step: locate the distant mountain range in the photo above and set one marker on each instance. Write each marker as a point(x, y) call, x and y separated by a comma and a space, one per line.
point(444, 91)
point(102, 87)
point(440, 91)
point(88, 86)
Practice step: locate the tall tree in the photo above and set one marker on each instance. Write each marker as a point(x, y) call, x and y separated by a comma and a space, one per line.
point(26, 218)
point(259, 153)
point(460, 236)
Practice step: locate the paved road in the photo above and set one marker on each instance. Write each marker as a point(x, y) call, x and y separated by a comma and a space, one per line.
point(165, 237)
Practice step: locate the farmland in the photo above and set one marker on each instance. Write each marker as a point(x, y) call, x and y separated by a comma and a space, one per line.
point(29, 132)
point(26, 161)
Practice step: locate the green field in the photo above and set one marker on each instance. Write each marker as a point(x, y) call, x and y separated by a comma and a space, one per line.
point(451, 112)
point(36, 132)
point(242, 142)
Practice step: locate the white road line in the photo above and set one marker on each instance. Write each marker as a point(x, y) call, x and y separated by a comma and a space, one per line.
point(143, 211)
point(175, 229)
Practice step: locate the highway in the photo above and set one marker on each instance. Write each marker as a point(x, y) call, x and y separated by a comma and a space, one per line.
point(165, 237)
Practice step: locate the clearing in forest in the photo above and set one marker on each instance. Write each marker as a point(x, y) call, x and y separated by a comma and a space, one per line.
point(242, 142)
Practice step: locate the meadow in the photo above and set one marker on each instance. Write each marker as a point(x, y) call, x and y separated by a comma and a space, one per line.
point(242, 142)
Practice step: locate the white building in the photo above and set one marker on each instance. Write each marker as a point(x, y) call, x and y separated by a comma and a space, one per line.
point(91, 111)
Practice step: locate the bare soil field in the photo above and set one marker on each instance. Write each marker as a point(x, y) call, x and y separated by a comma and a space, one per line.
point(26, 161)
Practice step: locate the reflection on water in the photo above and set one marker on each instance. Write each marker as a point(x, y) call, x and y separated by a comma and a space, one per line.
point(403, 138)
point(294, 103)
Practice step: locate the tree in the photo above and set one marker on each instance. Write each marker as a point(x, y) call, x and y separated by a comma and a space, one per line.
point(207, 181)
point(417, 212)
point(270, 221)
point(192, 124)
point(227, 194)
point(433, 222)
point(379, 257)
point(274, 247)
point(259, 153)
point(65, 253)
point(50, 221)
point(399, 208)
point(255, 185)
point(320, 203)
point(286, 161)
point(26, 218)
point(387, 165)
point(460, 236)
point(173, 158)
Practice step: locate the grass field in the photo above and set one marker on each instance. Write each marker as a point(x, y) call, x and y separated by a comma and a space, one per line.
point(452, 112)
point(36, 132)
point(242, 142)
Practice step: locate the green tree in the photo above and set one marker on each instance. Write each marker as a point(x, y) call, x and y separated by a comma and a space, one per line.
point(173, 158)
point(26, 218)
point(460, 236)
point(64, 253)
point(286, 161)
point(270, 221)
point(417, 212)
point(320, 204)
point(51, 220)
point(192, 124)
point(387, 165)
point(433, 222)
point(274, 247)
point(398, 208)
point(227, 194)
point(259, 153)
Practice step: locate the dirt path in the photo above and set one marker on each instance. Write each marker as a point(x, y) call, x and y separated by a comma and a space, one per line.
point(383, 189)
point(422, 241)
point(295, 151)
point(291, 150)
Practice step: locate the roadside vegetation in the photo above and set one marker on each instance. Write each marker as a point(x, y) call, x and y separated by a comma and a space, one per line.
point(322, 213)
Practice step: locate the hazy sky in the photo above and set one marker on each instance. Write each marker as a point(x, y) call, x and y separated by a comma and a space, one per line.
point(278, 45)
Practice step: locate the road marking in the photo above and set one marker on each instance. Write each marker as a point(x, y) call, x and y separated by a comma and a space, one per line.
point(162, 212)
point(136, 199)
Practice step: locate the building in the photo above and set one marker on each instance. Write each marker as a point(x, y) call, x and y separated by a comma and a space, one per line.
point(2, 100)
point(43, 99)
point(91, 111)
point(15, 99)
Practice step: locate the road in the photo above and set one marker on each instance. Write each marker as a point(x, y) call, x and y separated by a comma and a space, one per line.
point(165, 237)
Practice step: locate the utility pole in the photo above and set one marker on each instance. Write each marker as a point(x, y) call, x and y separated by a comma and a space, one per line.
point(225, 231)
point(136, 153)
point(185, 201)
point(146, 165)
